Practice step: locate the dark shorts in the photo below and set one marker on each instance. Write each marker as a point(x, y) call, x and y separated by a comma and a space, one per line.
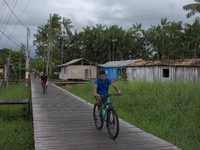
point(103, 99)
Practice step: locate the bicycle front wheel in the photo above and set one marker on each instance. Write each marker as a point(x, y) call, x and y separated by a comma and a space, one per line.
point(97, 120)
point(112, 123)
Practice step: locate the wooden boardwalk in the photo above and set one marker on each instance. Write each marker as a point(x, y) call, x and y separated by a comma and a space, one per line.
point(63, 121)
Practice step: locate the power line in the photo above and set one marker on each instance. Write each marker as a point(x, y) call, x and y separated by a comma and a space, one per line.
point(2, 10)
point(17, 22)
point(9, 34)
point(15, 15)
point(8, 20)
point(10, 39)
point(6, 15)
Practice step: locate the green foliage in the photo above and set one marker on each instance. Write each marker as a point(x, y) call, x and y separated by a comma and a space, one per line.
point(16, 131)
point(122, 76)
point(194, 8)
point(17, 58)
point(153, 107)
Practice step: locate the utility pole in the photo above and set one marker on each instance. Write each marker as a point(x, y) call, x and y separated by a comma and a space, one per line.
point(62, 45)
point(27, 60)
point(62, 52)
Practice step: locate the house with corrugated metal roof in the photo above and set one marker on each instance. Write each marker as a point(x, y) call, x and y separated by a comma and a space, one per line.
point(115, 68)
point(165, 70)
point(78, 69)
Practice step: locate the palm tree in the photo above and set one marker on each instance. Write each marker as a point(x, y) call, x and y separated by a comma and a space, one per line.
point(97, 45)
point(73, 50)
point(66, 29)
point(87, 38)
point(193, 34)
point(194, 8)
point(67, 26)
point(54, 29)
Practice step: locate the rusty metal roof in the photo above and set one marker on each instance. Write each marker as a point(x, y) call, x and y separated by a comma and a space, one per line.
point(177, 62)
point(122, 63)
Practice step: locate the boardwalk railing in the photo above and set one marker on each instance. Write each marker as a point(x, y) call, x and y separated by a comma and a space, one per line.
point(17, 102)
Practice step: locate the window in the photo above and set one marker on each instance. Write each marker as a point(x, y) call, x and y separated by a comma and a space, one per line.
point(106, 71)
point(166, 73)
point(112, 71)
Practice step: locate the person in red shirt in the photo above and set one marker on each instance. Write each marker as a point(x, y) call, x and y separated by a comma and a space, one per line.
point(44, 80)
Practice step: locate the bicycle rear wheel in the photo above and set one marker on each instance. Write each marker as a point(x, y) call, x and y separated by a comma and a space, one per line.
point(44, 87)
point(112, 123)
point(97, 120)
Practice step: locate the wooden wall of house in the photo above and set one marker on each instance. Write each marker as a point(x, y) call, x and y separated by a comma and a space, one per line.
point(155, 73)
point(79, 71)
point(63, 73)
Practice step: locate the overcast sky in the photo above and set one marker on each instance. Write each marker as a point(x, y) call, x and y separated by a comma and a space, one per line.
point(123, 13)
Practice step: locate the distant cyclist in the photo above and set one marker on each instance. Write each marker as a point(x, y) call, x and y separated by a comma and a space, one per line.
point(41, 74)
point(35, 74)
point(44, 80)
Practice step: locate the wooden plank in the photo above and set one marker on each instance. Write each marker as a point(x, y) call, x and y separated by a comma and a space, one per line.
point(26, 100)
point(19, 101)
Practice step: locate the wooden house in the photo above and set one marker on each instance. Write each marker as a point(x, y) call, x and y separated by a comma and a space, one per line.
point(78, 69)
point(115, 68)
point(165, 70)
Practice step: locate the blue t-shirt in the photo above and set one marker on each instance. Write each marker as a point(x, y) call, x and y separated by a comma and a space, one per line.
point(103, 87)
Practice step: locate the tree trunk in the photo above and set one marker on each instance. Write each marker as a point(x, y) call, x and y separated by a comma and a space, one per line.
point(113, 53)
point(20, 69)
point(47, 63)
point(7, 71)
point(109, 53)
point(196, 45)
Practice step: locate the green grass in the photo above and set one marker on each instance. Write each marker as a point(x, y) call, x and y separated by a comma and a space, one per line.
point(59, 80)
point(151, 107)
point(15, 131)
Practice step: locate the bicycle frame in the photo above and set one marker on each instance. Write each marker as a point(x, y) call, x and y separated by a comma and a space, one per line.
point(106, 108)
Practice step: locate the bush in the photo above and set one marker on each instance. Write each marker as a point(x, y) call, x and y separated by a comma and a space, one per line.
point(122, 76)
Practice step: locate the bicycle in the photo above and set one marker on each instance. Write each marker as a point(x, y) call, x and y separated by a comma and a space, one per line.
point(44, 86)
point(108, 114)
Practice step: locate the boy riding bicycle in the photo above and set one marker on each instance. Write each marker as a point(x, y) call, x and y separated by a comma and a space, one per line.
point(101, 86)
point(44, 80)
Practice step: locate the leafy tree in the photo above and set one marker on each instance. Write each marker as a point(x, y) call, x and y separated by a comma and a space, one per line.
point(194, 8)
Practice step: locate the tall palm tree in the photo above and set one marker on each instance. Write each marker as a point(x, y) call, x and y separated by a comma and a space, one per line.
point(54, 29)
point(87, 38)
point(193, 34)
point(66, 29)
point(97, 45)
point(194, 8)
point(67, 25)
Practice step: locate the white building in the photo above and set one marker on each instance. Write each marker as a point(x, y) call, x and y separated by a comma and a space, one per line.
point(78, 69)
